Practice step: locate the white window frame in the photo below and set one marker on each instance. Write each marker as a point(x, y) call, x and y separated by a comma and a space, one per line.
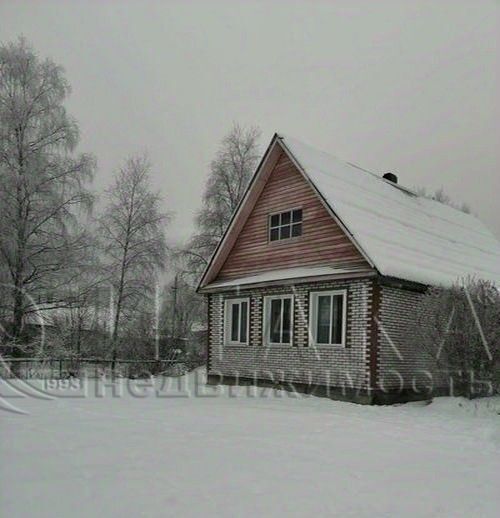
point(313, 314)
point(266, 324)
point(228, 323)
point(286, 239)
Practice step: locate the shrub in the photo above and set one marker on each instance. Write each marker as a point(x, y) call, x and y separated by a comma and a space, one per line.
point(460, 328)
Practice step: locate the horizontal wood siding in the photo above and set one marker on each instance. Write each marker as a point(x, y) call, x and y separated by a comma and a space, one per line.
point(322, 242)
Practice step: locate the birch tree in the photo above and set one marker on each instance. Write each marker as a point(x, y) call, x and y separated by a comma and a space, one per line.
point(43, 184)
point(132, 232)
point(230, 172)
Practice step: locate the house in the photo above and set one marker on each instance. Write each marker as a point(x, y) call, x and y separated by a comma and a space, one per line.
point(320, 272)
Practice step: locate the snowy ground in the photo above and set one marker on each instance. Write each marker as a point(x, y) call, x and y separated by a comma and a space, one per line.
point(244, 456)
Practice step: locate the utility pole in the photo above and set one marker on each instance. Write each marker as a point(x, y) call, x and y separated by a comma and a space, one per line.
point(157, 323)
point(174, 309)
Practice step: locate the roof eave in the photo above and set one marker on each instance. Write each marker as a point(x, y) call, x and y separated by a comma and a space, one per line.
point(287, 282)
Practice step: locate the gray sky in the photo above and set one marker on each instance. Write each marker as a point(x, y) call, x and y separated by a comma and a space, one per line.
point(409, 87)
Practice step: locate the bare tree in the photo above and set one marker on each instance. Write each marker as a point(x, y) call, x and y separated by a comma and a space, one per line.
point(441, 196)
point(181, 311)
point(459, 329)
point(230, 173)
point(132, 231)
point(42, 184)
point(87, 302)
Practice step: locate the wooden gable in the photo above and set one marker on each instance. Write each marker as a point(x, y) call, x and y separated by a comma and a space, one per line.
point(322, 243)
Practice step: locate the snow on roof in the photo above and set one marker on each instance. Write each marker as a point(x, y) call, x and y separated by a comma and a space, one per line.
point(285, 274)
point(405, 236)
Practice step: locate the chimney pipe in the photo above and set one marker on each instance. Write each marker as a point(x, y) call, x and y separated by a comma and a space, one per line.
point(391, 177)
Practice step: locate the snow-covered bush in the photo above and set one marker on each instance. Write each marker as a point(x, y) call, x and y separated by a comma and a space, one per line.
point(460, 328)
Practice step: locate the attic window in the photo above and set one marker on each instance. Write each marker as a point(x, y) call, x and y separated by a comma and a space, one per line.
point(285, 225)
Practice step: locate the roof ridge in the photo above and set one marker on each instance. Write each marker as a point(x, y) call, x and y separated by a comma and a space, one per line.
point(412, 191)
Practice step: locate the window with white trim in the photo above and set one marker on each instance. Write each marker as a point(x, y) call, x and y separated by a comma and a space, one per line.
point(285, 225)
point(278, 319)
point(328, 316)
point(237, 321)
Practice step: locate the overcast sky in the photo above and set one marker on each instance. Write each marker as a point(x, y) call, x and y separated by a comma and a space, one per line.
point(410, 87)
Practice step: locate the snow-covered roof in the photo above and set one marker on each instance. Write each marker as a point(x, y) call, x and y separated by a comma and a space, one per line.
point(319, 272)
point(400, 233)
point(405, 235)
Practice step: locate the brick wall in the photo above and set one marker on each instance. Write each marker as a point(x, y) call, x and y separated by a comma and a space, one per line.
point(402, 364)
point(300, 363)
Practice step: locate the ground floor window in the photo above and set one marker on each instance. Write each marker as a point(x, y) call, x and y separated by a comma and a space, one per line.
point(236, 321)
point(327, 319)
point(278, 319)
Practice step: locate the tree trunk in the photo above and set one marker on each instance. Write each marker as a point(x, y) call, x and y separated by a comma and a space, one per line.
point(17, 316)
point(18, 295)
point(114, 337)
point(122, 281)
